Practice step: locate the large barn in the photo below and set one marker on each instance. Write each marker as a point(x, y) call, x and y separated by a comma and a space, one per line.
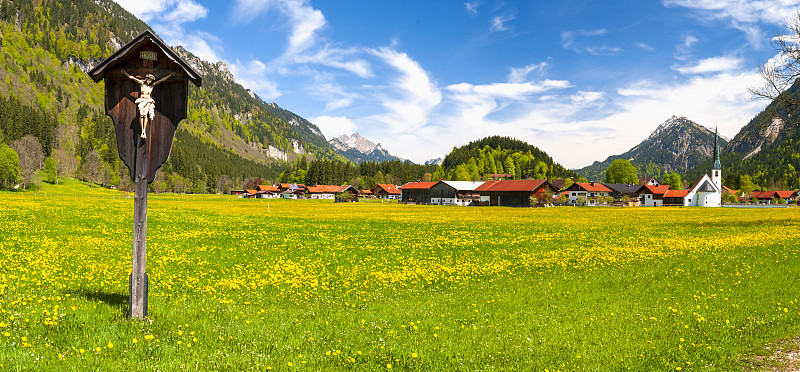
point(514, 193)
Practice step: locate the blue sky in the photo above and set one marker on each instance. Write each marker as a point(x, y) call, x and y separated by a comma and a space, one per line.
point(580, 79)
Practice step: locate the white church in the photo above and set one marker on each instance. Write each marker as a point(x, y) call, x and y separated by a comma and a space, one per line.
point(706, 192)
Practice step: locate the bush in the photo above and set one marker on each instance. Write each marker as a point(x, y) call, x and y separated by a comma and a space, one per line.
point(344, 197)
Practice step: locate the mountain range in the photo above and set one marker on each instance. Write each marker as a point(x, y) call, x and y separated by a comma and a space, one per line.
point(357, 149)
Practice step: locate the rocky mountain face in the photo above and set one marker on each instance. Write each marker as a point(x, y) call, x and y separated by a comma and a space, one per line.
point(357, 148)
point(771, 126)
point(437, 161)
point(677, 145)
point(768, 148)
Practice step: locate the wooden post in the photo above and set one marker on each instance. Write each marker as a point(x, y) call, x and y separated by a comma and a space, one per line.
point(137, 297)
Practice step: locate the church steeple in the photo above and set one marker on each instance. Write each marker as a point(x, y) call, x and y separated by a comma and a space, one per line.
point(717, 163)
point(716, 169)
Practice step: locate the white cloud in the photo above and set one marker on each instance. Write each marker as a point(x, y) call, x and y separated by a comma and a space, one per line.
point(683, 51)
point(185, 11)
point(204, 45)
point(333, 126)
point(499, 22)
point(251, 76)
point(576, 41)
point(339, 58)
point(418, 95)
point(519, 75)
point(472, 7)
point(168, 18)
point(144, 10)
point(305, 21)
point(744, 15)
point(711, 65)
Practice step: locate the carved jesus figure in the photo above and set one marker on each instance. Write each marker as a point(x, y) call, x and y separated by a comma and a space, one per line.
point(145, 102)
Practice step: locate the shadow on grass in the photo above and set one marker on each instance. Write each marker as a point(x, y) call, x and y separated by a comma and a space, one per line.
point(118, 300)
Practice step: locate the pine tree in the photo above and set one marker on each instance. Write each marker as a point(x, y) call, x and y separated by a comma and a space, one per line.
point(50, 172)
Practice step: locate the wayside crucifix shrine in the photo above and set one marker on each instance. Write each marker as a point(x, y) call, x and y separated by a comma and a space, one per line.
point(147, 88)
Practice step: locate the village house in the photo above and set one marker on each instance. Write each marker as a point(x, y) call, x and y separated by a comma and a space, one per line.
point(292, 191)
point(514, 193)
point(652, 181)
point(674, 197)
point(588, 193)
point(386, 191)
point(267, 191)
point(348, 189)
point(456, 193)
point(620, 190)
point(321, 191)
point(767, 197)
point(283, 187)
point(652, 196)
point(416, 192)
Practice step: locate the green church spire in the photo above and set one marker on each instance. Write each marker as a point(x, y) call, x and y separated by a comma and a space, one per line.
point(717, 164)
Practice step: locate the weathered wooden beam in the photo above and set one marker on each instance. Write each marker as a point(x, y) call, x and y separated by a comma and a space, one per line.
point(138, 280)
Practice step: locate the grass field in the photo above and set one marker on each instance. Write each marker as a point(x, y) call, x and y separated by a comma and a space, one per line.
point(241, 284)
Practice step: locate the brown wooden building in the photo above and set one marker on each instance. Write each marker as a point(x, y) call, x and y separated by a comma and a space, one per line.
point(514, 193)
point(416, 192)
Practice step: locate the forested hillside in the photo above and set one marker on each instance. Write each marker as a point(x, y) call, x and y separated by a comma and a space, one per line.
point(365, 175)
point(499, 155)
point(230, 134)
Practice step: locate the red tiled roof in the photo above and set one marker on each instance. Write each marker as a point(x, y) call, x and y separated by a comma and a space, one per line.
point(251, 192)
point(729, 190)
point(657, 190)
point(417, 186)
point(486, 186)
point(511, 185)
point(389, 188)
point(319, 189)
point(676, 193)
point(268, 188)
point(772, 194)
point(344, 188)
point(593, 187)
point(366, 192)
point(763, 194)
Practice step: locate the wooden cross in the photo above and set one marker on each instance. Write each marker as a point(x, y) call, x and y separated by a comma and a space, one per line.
point(145, 120)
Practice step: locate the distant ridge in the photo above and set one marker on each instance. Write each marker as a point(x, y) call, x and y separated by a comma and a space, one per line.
point(676, 145)
point(357, 149)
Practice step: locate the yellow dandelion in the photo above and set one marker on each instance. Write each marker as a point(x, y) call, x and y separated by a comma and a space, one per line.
point(414, 355)
point(110, 345)
point(148, 337)
point(134, 340)
point(289, 364)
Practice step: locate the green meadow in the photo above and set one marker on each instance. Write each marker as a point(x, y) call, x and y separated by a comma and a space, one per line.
point(242, 284)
